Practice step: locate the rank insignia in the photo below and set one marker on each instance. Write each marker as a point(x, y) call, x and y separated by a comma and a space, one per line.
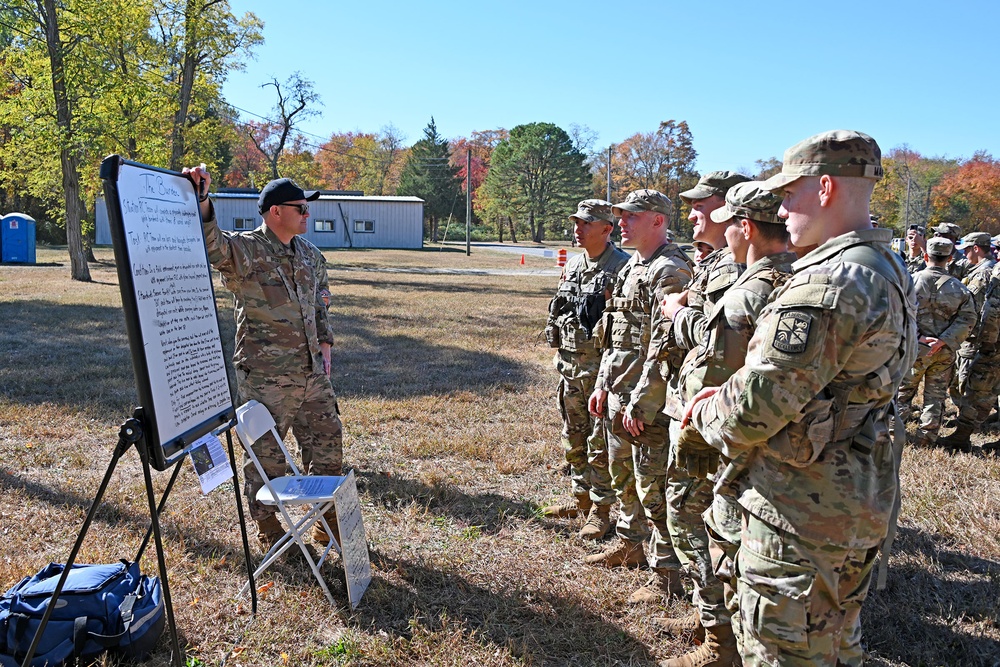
point(792, 332)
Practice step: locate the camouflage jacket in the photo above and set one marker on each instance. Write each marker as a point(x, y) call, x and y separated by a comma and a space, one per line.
point(716, 273)
point(577, 306)
point(914, 264)
point(945, 308)
point(959, 266)
point(280, 315)
point(810, 403)
point(979, 280)
point(729, 328)
point(633, 324)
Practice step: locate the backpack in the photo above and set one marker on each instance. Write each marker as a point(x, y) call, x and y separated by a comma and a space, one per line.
point(100, 607)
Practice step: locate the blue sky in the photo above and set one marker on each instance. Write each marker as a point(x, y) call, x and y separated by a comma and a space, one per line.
point(751, 78)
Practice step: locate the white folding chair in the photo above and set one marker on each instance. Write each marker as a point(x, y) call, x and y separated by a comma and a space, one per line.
point(253, 421)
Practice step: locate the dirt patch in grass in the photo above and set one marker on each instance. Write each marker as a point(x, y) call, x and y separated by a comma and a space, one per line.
point(447, 395)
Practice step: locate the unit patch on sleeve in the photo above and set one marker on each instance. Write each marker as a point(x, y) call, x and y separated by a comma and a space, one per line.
point(792, 333)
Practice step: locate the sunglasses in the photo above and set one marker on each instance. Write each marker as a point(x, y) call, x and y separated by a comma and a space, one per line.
point(303, 208)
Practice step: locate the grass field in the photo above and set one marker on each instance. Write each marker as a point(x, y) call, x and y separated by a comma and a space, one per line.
point(447, 395)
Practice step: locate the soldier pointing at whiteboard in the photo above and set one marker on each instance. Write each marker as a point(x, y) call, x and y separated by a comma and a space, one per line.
point(283, 334)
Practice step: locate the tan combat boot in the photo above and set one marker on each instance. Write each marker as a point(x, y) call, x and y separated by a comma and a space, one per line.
point(718, 650)
point(598, 523)
point(571, 509)
point(269, 531)
point(662, 583)
point(620, 553)
point(319, 535)
point(689, 625)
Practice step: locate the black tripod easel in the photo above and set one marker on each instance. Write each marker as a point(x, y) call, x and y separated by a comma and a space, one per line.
point(132, 433)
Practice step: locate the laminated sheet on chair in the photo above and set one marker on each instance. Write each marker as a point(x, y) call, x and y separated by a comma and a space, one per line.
point(354, 544)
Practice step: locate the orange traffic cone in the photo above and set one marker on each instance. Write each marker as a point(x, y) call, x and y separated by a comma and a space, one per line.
point(522, 260)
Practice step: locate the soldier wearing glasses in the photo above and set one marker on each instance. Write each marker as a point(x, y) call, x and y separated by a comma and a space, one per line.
point(283, 335)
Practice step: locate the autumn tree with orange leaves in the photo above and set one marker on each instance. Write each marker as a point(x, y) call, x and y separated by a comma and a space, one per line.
point(970, 196)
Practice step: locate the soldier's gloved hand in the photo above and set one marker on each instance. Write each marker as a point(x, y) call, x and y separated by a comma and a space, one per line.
point(698, 457)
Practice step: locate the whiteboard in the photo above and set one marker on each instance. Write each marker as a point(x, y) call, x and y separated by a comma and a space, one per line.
point(169, 305)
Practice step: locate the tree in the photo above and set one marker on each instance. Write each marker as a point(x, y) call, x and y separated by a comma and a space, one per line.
point(291, 108)
point(970, 196)
point(429, 174)
point(767, 168)
point(480, 144)
point(903, 196)
point(539, 174)
point(363, 161)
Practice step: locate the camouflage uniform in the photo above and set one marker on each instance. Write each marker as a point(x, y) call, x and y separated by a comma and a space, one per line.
point(633, 325)
point(947, 311)
point(978, 357)
point(809, 410)
point(915, 264)
point(280, 322)
point(581, 294)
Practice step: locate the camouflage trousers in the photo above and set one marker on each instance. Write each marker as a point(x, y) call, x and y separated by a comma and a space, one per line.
point(979, 382)
point(723, 524)
point(799, 602)
point(583, 441)
point(688, 498)
point(936, 371)
point(638, 468)
point(306, 404)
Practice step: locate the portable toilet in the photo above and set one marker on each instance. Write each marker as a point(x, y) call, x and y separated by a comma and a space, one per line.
point(17, 238)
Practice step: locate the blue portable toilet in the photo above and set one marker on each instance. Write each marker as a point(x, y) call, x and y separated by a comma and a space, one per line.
point(17, 238)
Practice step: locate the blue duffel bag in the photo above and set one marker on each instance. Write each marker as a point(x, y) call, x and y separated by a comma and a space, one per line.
point(101, 607)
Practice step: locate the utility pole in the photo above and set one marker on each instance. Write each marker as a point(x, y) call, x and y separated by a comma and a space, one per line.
point(609, 171)
point(468, 202)
point(906, 212)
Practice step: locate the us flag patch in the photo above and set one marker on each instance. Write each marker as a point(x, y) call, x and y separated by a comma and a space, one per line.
point(792, 332)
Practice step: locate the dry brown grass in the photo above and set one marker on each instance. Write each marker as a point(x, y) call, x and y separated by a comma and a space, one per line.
point(447, 399)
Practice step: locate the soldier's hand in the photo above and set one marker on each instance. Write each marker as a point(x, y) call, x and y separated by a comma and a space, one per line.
point(632, 425)
point(705, 393)
point(672, 303)
point(596, 403)
point(695, 455)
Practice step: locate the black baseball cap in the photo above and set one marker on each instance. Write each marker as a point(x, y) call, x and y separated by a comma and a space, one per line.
point(281, 190)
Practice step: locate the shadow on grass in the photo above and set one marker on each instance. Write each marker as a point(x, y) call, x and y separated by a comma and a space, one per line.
point(383, 281)
point(534, 626)
point(916, 619)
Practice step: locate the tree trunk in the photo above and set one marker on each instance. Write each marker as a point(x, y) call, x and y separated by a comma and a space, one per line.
point(68, 157)
point(187, 84)
point(513, 232)
point(500, 222)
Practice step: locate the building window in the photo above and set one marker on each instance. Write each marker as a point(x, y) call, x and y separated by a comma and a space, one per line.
point(323, 225)
point(364, 226)
point(244, 224)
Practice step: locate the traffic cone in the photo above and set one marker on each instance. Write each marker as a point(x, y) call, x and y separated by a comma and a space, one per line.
point(522, 260)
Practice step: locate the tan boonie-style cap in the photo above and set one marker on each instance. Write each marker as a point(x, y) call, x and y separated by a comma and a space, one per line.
point(749, 200)
point(835, 153)
point(975, 238)
point(644, 200)
point(712, 183)
point(592, 210)
point(939, 246)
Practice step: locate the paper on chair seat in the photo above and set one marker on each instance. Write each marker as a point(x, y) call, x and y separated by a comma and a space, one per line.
point(290, 488)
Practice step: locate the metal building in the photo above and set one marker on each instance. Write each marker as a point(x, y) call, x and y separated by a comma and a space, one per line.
point(335, 221)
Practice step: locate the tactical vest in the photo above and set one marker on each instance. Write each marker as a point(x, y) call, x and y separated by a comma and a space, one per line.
point(573, 307)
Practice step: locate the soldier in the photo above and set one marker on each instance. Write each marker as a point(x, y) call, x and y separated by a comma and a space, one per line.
point(958, 266)
point(978, 358)
point(636, 431)
point(916, 247)
point(578, 305)
point(283, 336)
point(701, 251)
point(756, 236)
point(809, 410)
point(946, 313)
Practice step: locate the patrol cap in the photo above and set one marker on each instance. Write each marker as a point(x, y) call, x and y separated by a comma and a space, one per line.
point(975, 238)
point(644, 200)
point(939, 246)
point(592, 210)
point(835, 153)
point(712, 183)
point(283, 190)
point(749, 200)
point(996, 241)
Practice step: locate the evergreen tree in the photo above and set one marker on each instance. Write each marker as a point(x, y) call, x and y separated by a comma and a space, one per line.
point(429, 174)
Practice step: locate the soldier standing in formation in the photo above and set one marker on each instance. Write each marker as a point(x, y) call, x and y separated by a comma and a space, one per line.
point(946, 313)
point(577, 307)
point(636, 430)
point(958, 266)
point(809, 409)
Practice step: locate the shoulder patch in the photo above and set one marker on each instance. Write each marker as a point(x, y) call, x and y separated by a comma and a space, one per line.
point(791, 335)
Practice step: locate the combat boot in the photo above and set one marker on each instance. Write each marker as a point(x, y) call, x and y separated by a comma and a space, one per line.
point(689, 625)
point(718, 650)
point(959, 440)
point(598, 522)
point(319, 534)
point(269, 531)
point(569, 509)
point(620, 553)
point(662, 584)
